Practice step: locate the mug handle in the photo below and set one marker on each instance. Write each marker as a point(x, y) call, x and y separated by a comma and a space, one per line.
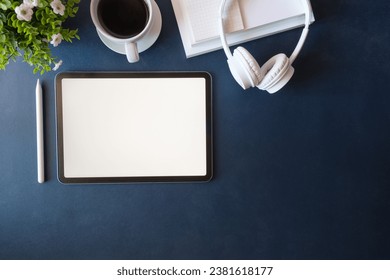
point(132, 52)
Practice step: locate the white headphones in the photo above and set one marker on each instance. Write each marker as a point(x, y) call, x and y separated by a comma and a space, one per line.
point(274, 74)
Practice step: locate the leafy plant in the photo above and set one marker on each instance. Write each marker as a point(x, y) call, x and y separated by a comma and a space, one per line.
point(28, 28)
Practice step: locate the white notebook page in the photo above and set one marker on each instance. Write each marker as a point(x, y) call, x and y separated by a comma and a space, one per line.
point(203, 16)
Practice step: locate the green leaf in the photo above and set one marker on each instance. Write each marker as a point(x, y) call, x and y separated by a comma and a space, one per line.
point(22, 38)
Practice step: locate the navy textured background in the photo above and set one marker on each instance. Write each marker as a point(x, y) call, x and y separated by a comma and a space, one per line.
point(303, 174)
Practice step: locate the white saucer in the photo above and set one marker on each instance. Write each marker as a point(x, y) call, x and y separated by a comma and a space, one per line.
point(144, 43)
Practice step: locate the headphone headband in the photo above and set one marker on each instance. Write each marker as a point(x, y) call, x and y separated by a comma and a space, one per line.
point(298, 47)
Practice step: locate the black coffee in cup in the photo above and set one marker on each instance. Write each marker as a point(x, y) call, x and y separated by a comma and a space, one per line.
point(123, 18)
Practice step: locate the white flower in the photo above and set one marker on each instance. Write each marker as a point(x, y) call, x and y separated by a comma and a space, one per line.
point(56, 39)
point(57, 65)
point(58, 7)
point(24, 12)
point(32, 3)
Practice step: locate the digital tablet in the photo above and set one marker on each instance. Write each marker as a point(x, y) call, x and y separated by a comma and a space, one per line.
point(134, 127)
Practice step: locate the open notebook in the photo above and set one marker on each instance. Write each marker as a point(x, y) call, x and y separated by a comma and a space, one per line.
point(245, 20)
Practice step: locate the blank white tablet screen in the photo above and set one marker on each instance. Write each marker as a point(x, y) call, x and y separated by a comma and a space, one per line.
point(134, 127)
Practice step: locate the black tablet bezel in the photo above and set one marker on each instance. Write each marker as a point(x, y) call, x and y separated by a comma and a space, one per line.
point(127, 75)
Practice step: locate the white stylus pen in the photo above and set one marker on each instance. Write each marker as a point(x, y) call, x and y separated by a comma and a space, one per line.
point(40, 147)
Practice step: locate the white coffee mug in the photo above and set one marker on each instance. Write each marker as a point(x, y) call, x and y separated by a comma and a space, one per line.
point(133, 44)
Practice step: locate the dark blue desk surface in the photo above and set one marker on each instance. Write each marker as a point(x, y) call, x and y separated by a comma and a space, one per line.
point(304, 174)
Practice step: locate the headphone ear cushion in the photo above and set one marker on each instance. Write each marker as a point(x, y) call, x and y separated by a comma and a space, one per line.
point(250, 65)
point(278, 72)
point(244, 68)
